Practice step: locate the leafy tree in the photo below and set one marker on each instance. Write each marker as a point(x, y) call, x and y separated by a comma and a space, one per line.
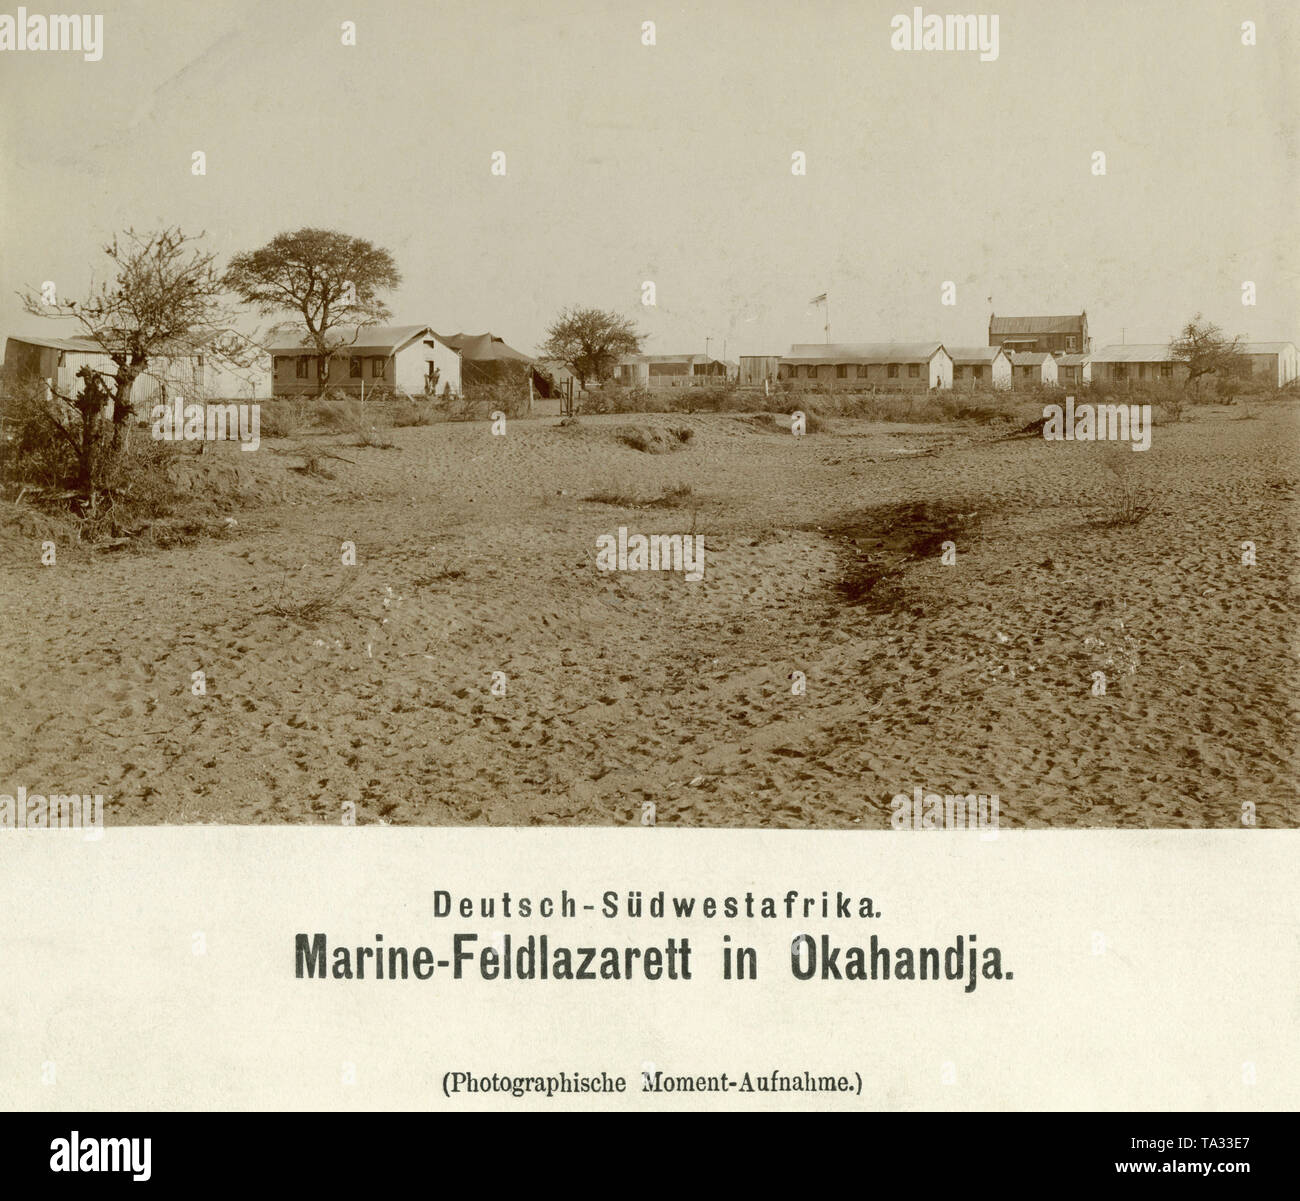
point(590, 342)
point(328, 280)
point(1206, 350)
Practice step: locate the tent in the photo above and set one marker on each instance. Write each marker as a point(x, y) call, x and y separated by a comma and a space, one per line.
point(486, 359)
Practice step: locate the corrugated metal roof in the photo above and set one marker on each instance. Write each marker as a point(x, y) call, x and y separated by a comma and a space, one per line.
point(863, 352)
point(357, 338)
point(1073, 360)
point(962, 355)
point(77, 345)
point(1136, 353)
point(1036, 325)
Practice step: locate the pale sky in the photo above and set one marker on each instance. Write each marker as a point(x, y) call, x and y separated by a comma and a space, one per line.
point(671, 163)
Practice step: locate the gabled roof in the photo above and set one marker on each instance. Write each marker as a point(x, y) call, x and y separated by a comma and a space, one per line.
point(963, 356)
point(79, 345)
point(357, 339)
point(1037, 325)
point(1266, 347)
point(1073, 360)
point(482, 348)
point(864, 352)
point(87, 345)
point(1029, 358)
point(1149, 352)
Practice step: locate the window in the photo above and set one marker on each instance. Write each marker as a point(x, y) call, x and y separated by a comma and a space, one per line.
point(977, 372)
point(354, 367)
point(812, 372)
point(302, 366)
point(277, 363)
point(1166, 370)
point(841, 371)
point(376, 368)
point(957, 371)
point(914, 370)
point(1070, 343)
point(893, 370)
point(1119, 370)
point(862, 371)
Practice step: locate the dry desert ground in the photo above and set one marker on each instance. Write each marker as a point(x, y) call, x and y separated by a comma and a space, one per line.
point(372, 684)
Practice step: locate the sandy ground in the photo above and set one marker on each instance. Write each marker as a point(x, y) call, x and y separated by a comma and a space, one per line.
point(476, 554)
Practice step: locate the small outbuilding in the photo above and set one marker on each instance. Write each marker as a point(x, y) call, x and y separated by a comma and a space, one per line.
point(759, 369)
point(672, 371)
point(1274, 361)
point(1073, 370)
point(980, 367)
point(1033, 368)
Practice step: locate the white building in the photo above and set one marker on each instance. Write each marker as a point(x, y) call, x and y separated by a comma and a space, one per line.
point(1029, 368)
point(907, 366)
point(401, 358)
point(980, 367)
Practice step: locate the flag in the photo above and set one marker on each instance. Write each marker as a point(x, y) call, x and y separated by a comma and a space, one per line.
point(818, 299)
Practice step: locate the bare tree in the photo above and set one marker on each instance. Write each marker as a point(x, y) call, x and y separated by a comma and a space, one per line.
point(164, 300)
point(590, 342)
point(1205, 349)
point(328, 280)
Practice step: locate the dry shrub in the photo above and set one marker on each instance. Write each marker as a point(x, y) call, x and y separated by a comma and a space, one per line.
point(340, 416)
point(1128, 499)
point(284, 418)
point(374, 438)
point(313, 464)
point(623, 496)
point(506, 394)
point(410, 412)
point(652, 440)
point(617, 399)
point(675, 498)
point(311, 609)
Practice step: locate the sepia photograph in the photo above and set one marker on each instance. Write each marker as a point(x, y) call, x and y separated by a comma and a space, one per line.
point(571, 556)
point(566, 414)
